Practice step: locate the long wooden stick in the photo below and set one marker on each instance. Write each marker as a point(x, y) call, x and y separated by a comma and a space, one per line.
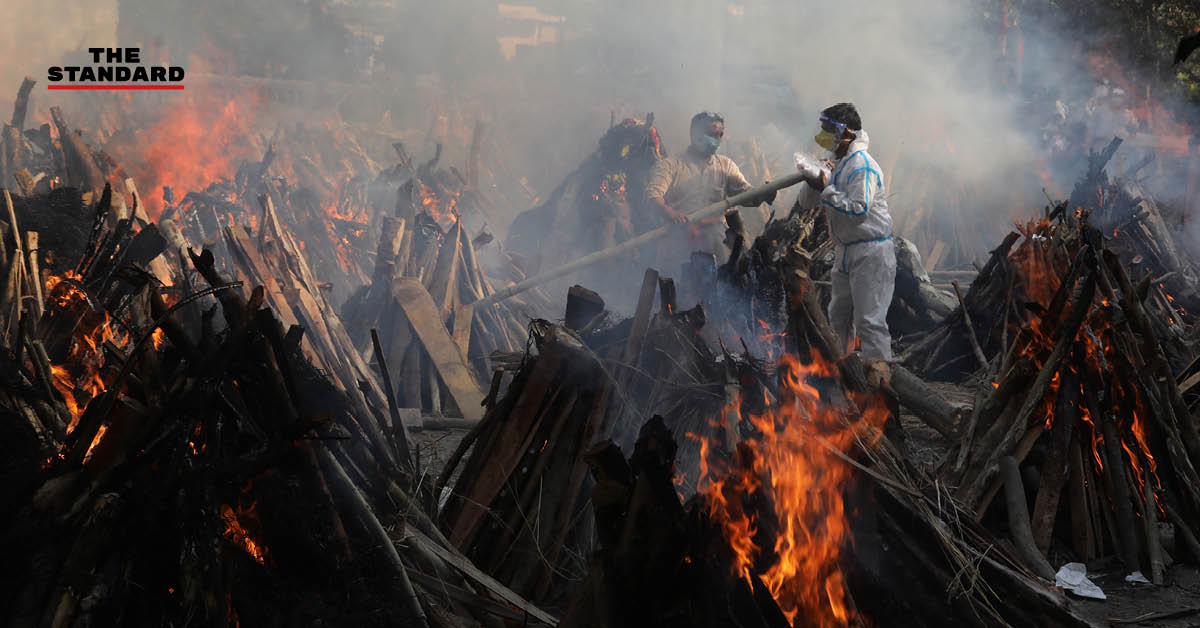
point(633, 243)
point(1018, 520)
point(975, 348)
point(398, 427)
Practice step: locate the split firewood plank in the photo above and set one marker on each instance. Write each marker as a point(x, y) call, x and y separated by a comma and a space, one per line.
point(1083, 535)
point(443, 281)
point(507, 449)
point(641, 323)
point(471, 571)
point(1055, 467)
point(471, 265)
point(464, 316)
point(240, 245)
point(418, 307)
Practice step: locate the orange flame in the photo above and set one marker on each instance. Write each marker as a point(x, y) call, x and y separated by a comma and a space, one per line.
point(194, 143)
point(77, 377)
point(794, 461)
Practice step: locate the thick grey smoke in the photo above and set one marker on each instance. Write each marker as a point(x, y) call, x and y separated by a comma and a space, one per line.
point(944, 97)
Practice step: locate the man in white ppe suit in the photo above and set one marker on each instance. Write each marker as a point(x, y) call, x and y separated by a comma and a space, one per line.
point(864, 271)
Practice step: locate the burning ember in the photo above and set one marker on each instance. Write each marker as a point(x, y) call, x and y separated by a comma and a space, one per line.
point(236, 533)
point(780, 504)
point(77, 377)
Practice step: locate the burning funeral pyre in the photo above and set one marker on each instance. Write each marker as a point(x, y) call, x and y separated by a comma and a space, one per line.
point(215, 399)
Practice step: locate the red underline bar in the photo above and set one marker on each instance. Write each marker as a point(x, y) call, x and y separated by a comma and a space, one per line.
point(114, 87)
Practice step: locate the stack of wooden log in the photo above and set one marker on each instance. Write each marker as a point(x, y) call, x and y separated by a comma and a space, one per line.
point(517, 503)
point(428, 273)
point(166, 463)
point(1084, 394)
point(978, 329)
point(664, 562)
point(661, 562)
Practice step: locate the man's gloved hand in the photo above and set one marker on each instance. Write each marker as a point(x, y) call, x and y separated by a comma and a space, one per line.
point(878, 374)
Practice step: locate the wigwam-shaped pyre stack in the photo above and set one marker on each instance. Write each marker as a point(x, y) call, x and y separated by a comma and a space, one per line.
point(1086, 384)
point(428, 273)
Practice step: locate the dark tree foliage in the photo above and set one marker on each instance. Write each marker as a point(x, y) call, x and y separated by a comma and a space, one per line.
point(1141, 35)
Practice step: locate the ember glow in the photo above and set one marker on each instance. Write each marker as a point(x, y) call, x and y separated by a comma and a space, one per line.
point(78, 377)
point(793, 463)
point(238, 535)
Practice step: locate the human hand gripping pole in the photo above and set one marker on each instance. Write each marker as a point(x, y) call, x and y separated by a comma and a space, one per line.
point(714, 209)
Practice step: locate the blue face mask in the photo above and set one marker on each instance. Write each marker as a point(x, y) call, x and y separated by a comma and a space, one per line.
point(706, 144)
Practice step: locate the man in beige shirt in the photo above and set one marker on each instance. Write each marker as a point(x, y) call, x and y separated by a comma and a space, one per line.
point(700, 177)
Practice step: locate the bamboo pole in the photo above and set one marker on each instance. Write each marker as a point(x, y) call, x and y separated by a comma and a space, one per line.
point(587, 260)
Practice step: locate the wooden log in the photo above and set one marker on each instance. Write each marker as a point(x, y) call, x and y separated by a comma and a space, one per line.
point(422, 314)
point(1018, 520)
point(1055, 468)
point(442, 283)
point(1183, 529)
point(1083, 534)
point(923, 401)
point(979, 356)
point(1119, 490)
point(35, 274)
point(666, 295)
point(504, 452)
point(21, 104)
point(1014, 379)
point(390, 238)
point(12, 149)
point(375, 533)
point(25, 182)
point(1188, 426)
point(82, 171)
point(1154, 550)
point(582, 306)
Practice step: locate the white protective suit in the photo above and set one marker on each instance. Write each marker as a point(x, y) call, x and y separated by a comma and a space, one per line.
point(864, 271)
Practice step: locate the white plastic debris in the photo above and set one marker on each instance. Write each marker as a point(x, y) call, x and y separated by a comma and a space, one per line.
point(1137, 578)
point(1073, 577)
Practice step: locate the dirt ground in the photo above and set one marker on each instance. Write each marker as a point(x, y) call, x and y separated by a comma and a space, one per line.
point(1128, 604)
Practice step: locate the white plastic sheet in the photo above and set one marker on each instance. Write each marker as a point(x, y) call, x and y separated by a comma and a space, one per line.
point(1073, 577)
